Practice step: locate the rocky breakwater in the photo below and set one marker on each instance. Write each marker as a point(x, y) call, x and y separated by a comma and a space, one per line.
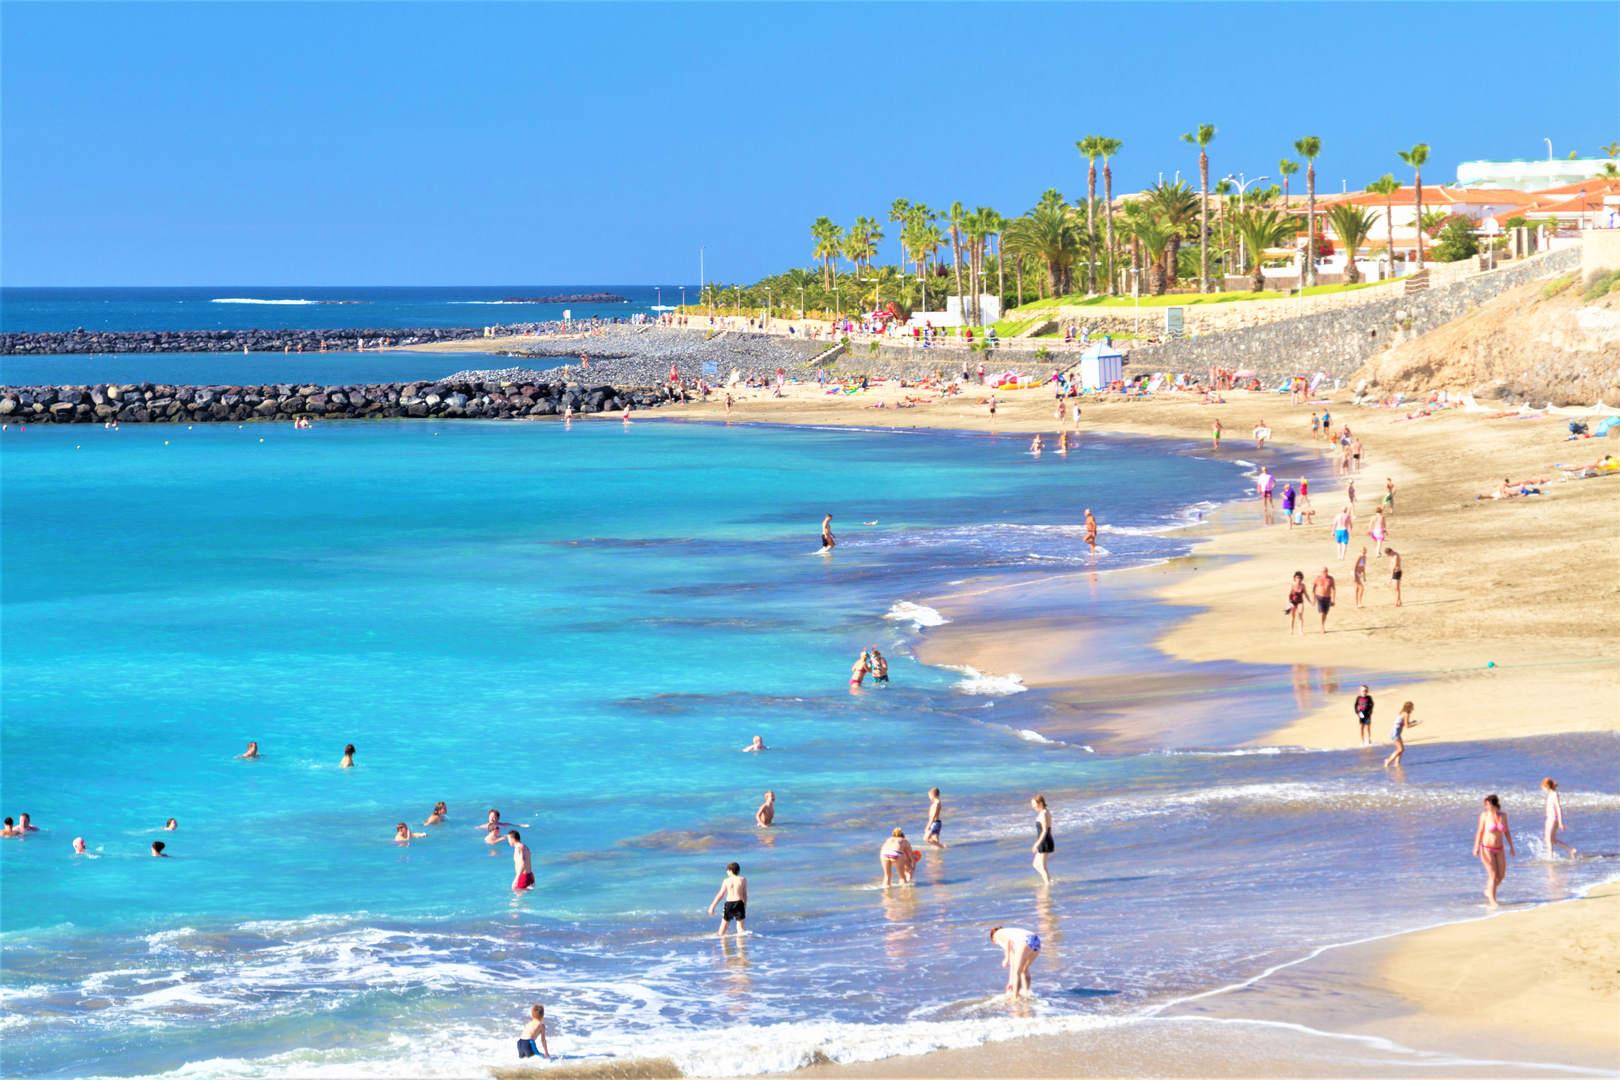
point(141, 403)
point(181, 341)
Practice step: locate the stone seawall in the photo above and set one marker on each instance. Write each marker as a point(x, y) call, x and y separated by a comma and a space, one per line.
point(180, 341)
point(159, 403)
point(1338, 342)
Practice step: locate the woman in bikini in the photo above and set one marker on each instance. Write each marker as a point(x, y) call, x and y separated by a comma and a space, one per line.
point(857, 673)
point(1043, 837)
point(1555, 821)
point(897, 854)
point(1378, 530)
point(1296, 604)
point(1491, 833)
point(1361, 575)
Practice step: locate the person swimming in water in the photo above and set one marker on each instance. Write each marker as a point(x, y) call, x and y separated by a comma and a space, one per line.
point(157, 850)
point(440, 812)
point(756, 746)
point(1019, 948)
point(170, 825)
point(403, 834)
point(348, 757)
point(880, 668)
point(766, 814)
point(250, 753)
point(1036, 445)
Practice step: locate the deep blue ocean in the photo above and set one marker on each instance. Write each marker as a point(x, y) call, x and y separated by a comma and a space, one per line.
point(239, 307)
point(225, 307)
point(582, 626)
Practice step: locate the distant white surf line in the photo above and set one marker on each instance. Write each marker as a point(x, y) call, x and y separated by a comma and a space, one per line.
point(250, 300)
point(918, 615)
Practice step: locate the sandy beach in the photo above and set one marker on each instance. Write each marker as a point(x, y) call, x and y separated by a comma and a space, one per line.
point(1508, 630)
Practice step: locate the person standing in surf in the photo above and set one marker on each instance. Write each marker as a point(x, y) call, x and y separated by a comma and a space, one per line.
point(734, 891)
point(522, 865)
point(1091, 531)
point(1555, 821)
point(766, 814)
point(828, 541)
point(1489, 836)
point(936, 819)
point(1043, 837)
point(1397, 734)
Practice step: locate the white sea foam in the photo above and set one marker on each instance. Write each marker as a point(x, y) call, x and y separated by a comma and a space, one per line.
point(251, 300)
point(918, 615)
point(978, 682)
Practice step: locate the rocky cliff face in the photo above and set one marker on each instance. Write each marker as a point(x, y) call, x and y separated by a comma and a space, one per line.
point(1540, 343)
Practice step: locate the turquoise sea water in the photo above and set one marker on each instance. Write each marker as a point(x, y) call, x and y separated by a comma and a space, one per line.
point(582, 627)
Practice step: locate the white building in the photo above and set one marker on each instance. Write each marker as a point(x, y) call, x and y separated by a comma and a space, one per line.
point(1527, 175)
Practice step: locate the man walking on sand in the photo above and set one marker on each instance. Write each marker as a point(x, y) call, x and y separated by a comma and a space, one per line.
point(1395, 572)
point(734, 891)
point(1325, 590)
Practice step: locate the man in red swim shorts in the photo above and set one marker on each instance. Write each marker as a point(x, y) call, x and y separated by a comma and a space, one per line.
point(520, 862)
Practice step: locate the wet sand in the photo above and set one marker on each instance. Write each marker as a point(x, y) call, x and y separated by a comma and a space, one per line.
point(1509, 628)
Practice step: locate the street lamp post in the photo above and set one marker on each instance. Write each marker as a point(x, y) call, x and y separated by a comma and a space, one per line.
point(1243, 186)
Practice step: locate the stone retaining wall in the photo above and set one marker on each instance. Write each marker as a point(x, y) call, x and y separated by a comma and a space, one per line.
point(1338, 342)
point(160, 403)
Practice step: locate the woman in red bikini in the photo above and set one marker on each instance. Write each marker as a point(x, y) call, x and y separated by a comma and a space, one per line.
point(1489, 837)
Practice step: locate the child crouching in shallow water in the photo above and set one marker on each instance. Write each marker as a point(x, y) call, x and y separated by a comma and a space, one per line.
point(534, 1029)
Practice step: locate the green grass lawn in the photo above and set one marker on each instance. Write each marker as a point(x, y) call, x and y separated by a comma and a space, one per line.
point(1033, 308)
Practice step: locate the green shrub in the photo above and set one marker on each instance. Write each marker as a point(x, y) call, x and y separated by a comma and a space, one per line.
point(1599, 284)
point(1557, 285)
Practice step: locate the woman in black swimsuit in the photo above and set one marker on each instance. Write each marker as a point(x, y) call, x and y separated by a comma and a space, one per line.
point(1043, 837)
point(1296, 603)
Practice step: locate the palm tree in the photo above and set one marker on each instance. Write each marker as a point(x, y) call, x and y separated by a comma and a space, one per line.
point(1262, 229)
point(1201, 139)
point(1416, 157)
point(997, 224)
point(1090, 148)
point(863, 239)
point(978, 225)
point(827, 237)
point(1387, 186)
point(1154, 237)
point(899, 212)
point(1308, 148)
point(1108, 148)
point(1136, 214)
point(1352, 225)
point(1287, 167)
point(1611, 150)
point(919, 241)
point(957, 217)
point(1175, 205)
point(1050, 234)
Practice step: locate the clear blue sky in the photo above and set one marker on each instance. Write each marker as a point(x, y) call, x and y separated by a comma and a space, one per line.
point(462, 144)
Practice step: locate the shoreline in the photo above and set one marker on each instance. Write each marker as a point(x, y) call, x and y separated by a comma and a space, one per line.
point(1497, 682)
